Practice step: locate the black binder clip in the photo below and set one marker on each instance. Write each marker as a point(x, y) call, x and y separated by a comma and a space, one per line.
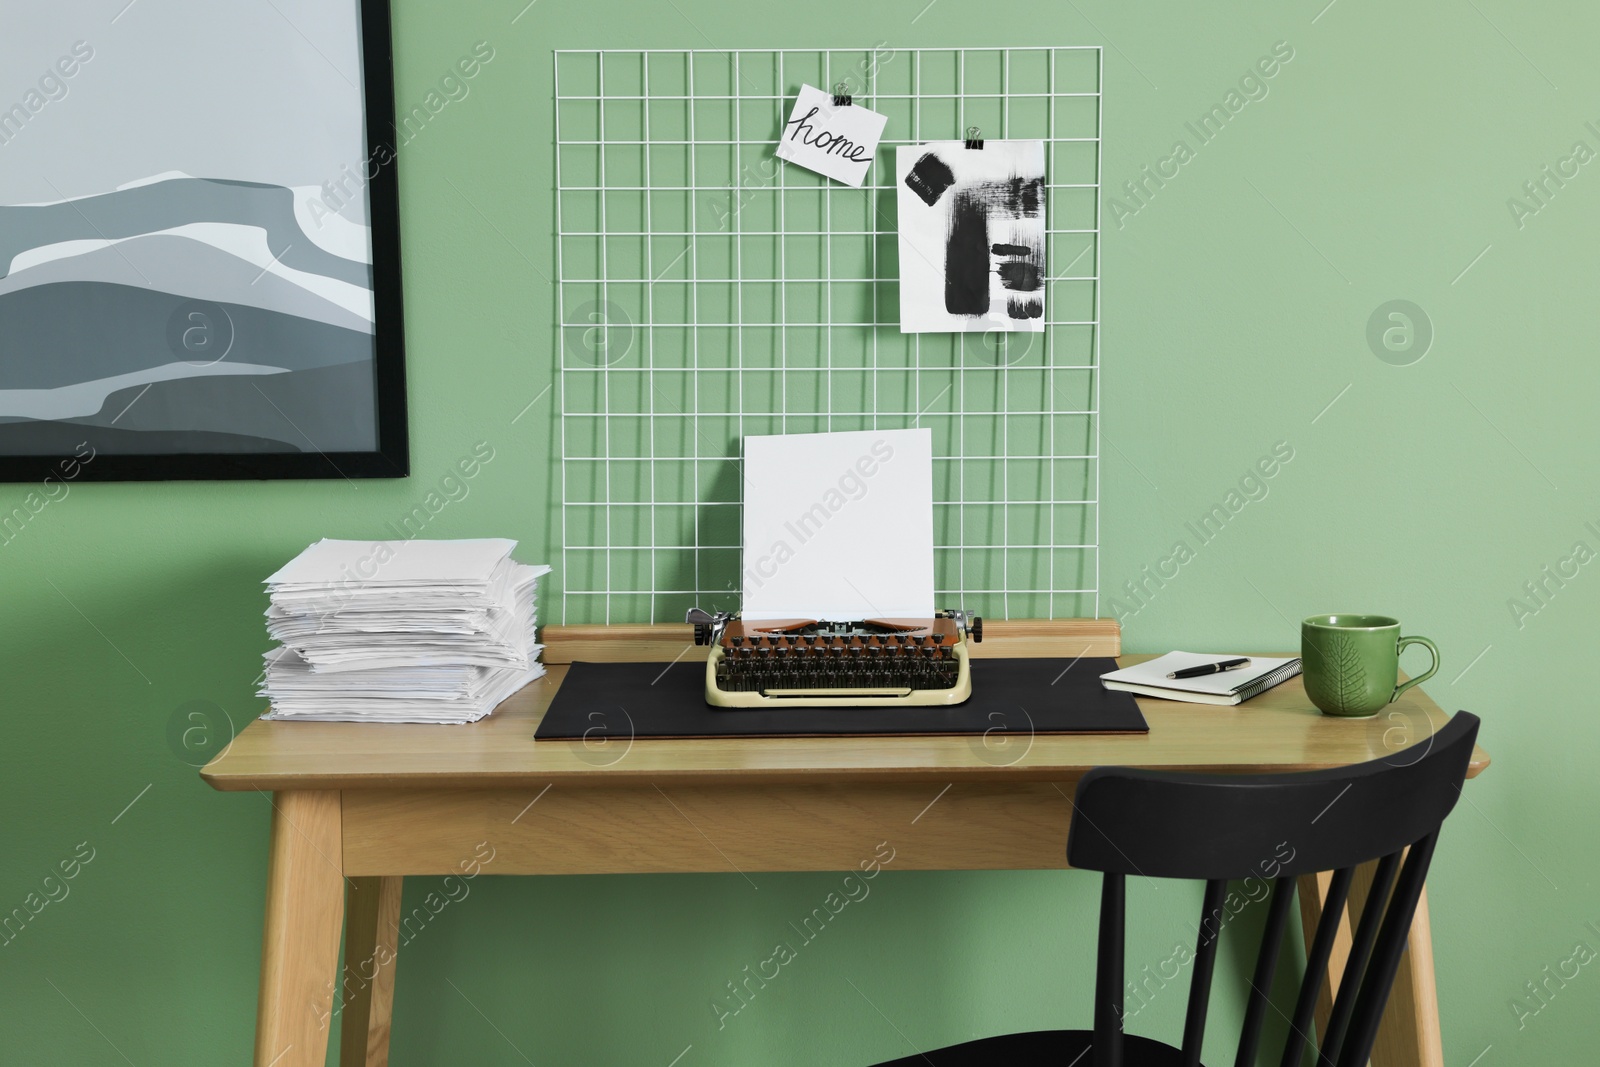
point(974, 138)
point(841, 95)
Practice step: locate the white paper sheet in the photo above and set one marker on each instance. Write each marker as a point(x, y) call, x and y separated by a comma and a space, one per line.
point(333, 562)
point(839, 526)
point(836, 141)
point(972, 237)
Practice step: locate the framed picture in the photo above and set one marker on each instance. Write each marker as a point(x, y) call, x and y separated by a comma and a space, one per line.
point(199, 242)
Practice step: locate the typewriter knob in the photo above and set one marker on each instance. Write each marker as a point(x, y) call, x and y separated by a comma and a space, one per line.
point(706, 625)
point(975, 627)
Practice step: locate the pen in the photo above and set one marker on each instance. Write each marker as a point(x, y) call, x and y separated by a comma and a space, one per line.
point(1210, 668)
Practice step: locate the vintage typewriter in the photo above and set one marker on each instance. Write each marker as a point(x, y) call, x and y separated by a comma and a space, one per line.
point(806, 662)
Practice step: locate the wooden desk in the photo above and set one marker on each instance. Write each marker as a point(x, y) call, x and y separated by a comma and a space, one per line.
point(357, 807)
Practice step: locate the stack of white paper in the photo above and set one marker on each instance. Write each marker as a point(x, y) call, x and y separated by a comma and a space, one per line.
point(401, 631)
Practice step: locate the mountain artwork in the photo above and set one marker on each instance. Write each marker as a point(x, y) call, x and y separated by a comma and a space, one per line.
point(187, 283)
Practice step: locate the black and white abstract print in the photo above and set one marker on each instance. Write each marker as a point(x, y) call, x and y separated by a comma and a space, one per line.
point(972, 236)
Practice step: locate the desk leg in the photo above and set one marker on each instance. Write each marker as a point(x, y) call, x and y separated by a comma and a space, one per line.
point(371, 952)
point(300, 942)
point(1409, 1035)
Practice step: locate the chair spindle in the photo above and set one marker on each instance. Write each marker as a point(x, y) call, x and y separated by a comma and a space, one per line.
point(1386, 955)
point(1205, 964)
point(1266, 965)
point(1317, 956)
point(1355, 966)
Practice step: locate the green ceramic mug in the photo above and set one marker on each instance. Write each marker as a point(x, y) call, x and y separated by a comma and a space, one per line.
point(1351, 663)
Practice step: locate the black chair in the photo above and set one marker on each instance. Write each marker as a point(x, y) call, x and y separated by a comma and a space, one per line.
point(1222, 827)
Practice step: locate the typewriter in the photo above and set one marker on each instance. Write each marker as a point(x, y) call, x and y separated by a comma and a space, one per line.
point(813, 663)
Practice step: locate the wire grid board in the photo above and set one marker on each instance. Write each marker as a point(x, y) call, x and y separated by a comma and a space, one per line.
point(708, 291)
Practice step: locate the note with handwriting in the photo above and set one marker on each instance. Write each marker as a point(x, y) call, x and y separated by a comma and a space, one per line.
point(836, 141)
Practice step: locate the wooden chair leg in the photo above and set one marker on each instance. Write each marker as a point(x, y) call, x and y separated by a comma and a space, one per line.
point(1409, 1035)
point(300, 939)
point(371, 953)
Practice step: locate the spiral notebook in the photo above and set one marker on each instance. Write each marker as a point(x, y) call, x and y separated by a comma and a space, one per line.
point(1229, 687)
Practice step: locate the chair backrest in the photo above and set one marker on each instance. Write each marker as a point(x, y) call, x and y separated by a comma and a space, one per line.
point(1278, 827)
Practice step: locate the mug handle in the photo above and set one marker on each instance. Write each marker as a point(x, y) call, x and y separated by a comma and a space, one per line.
point(1425, 675)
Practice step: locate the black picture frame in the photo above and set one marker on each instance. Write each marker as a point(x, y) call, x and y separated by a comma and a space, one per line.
point(391, 456)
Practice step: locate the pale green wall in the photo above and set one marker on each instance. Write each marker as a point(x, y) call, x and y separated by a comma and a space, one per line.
point(1378, 167)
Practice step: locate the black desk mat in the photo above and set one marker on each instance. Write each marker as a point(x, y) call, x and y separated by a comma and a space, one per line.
point(650, 700)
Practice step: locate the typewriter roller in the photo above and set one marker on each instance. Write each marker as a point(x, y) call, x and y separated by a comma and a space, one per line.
point(808, 662)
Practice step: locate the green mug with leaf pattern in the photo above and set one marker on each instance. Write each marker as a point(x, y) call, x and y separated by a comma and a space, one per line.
point(1351, 663)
